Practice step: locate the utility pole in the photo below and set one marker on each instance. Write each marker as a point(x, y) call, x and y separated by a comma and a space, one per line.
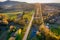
point(38, 16)
point(42, 22)
point(39, 12)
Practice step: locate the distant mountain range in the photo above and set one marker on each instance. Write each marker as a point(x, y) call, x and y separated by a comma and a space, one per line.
point(8, 6)
point(15, 6)
point(10, 3)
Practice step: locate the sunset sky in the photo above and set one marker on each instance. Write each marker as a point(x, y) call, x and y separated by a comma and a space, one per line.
point(36, 1)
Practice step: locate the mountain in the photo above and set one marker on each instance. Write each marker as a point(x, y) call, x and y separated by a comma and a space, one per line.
point(8, 6)
point(15, 6)
point(11, 3)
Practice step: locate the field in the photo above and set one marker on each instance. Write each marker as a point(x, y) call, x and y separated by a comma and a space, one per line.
point(16, 24)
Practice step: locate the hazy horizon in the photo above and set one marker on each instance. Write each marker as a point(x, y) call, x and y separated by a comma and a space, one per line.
point(35, 1)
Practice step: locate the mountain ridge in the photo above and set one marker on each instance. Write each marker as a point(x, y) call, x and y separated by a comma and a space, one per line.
point(23, 6)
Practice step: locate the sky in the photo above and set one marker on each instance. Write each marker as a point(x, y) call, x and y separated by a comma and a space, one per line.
point(36, 1)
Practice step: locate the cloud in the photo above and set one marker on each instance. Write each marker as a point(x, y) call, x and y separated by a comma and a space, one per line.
point(37, 1)
point(2, 0)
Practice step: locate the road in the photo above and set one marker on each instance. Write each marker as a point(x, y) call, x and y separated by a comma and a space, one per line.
point(28, 29)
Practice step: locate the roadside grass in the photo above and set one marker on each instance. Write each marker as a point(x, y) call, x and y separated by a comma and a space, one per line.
point(13, 16)
point(55, 30)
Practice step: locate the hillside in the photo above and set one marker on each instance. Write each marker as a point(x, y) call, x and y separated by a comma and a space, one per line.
point(15, 6)
point(9, 6)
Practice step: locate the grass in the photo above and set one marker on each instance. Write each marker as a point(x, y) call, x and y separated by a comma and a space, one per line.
point(13, 16)
point(28, 16)
point(55, 30)
point(1, 33)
